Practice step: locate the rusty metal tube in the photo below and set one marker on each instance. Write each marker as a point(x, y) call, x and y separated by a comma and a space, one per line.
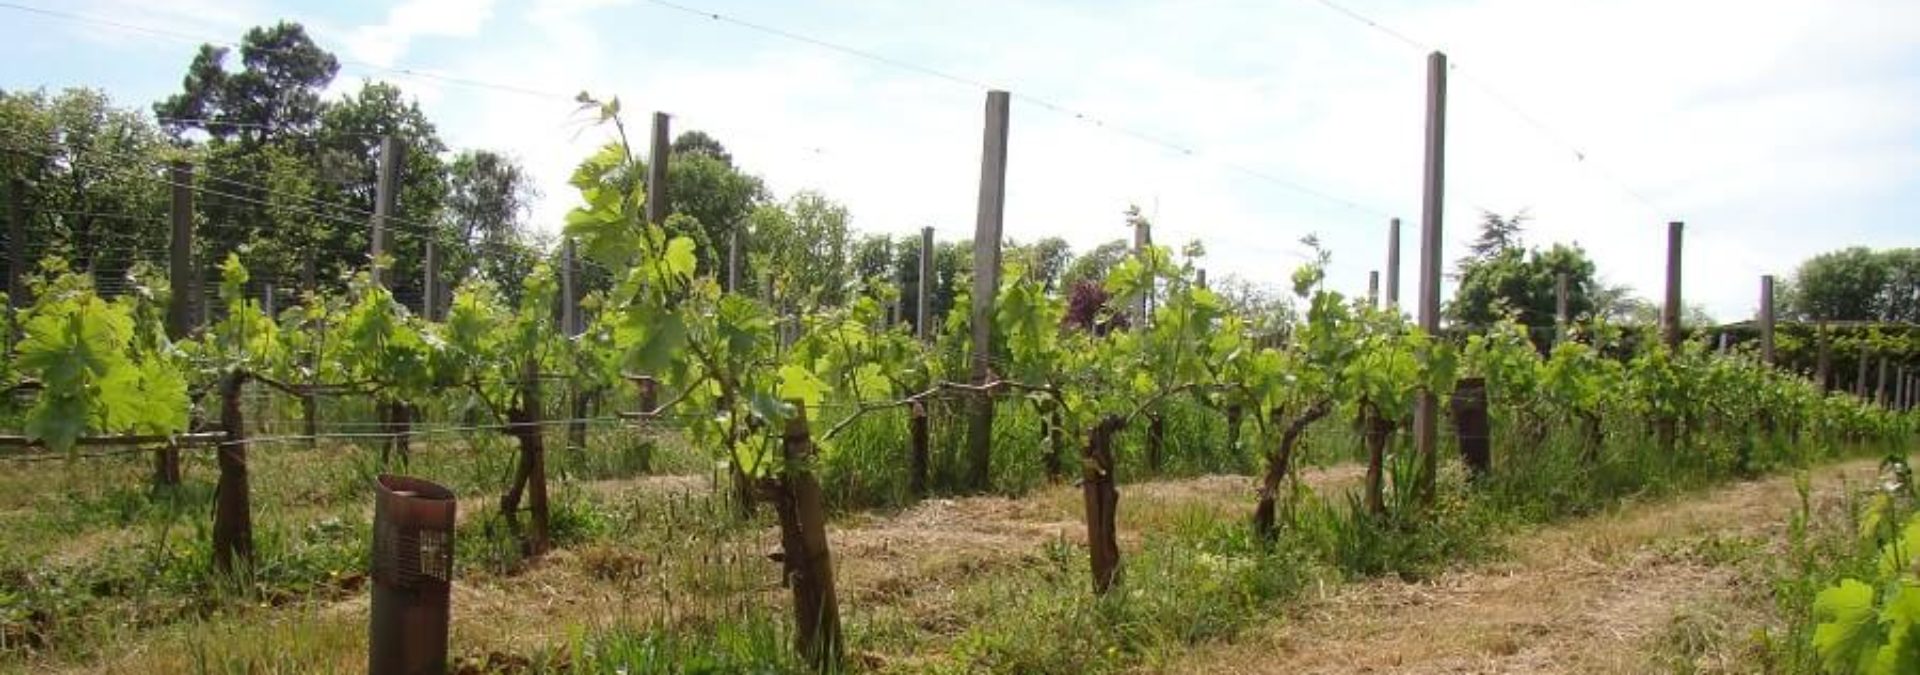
point(412, 574)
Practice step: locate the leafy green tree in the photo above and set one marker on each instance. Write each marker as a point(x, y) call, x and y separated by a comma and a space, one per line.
point(1857, 284)
point(807, 244)
point(276, 93)
point(1045, 261)
point(349, 160)
point(1095, 263)
point(1841, 285)
point(86, 166)
point(715, 196)
point(1502, 278)
point(489, 197)
point(1901, 299)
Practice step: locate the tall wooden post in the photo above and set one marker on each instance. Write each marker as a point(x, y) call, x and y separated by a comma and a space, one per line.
point(1880, 386)
point(1860, 381)
point(569, 302)
point(267, 301)
point(1142, 238)
point(657, 158)
point(733, 260)
point(986, 281)
point(1766, 319)
point(1670, 328)
point(1393, 264)
point(570, 327)
point(923, 291)
point(386, 196)
point(1200, 277)
point(1426, 421)
point(17, 243)
point(181, 314)
point(1562, 318)
point(430, 283)
point(1823, 365)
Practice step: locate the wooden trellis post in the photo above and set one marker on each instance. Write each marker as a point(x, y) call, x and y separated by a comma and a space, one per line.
point(1426, 417)
point(986, 282)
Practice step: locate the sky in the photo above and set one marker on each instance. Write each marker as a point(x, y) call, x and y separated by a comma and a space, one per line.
point(1775, 130)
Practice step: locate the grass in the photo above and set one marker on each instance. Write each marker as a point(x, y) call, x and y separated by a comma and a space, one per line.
point(655, 572)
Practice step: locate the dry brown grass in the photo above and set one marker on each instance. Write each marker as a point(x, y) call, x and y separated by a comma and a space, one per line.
point(910, 563)
point(1594, 596)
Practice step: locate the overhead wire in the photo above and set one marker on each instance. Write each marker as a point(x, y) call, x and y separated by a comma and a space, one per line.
point(1079, 115)
point(1579, 154)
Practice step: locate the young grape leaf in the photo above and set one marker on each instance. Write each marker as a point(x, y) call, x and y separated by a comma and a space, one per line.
point(1848, 636)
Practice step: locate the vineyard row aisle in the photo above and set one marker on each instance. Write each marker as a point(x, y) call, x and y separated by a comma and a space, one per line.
point(1623, 592)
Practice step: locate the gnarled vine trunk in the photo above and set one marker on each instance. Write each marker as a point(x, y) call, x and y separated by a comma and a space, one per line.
point(530, 476)
point(1376, 430)
point(232, 516)
point(1472, 428)
point(917, 457)
point(1156, 442)
point(1102, 503)
point(1278, 464)
point(807, 560)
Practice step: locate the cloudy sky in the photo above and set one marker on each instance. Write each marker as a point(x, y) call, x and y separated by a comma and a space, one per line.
point(1775, 130)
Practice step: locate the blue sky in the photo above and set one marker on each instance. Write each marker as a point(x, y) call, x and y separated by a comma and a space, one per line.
point(1775, 129)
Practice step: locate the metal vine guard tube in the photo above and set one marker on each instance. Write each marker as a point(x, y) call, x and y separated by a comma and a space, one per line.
point(412, 572)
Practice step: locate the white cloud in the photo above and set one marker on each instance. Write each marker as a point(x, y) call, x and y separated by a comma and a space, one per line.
point(385, 43)
point(1750, 121)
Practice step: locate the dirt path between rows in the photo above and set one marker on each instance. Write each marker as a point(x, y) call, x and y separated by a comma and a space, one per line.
point(1606, 594)
point(907, 562)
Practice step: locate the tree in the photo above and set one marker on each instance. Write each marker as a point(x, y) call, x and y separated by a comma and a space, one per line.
point(1501, 278)
point(1045, 260)
point(86, 166)
point(1095, 263)
point(489, 197)
point(1900, 301)
point(697, 142)
point(806, 243)
point(1496, 235)
point(1856, 284)
point(704, 185)
point(349, 149)
point(276, 93)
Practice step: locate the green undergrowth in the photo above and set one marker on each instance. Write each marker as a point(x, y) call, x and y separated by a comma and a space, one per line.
point(1198, 578)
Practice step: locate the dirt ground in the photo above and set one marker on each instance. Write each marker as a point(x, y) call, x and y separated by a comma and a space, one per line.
point(1614, 593)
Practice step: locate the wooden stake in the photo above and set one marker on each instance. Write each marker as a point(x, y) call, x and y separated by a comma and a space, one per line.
point(1562, 321)
point(986, 281)
point(1670, 327)
point(923, 292)
point(181, 312)
point(733, 259)
point(657, 158)
point(917, 458)
point(1823, 366)
point(1766, 320)
point(17, 243)
point(1426, 423)
point(386, 197)
point(430, 284)
point(1393, 264)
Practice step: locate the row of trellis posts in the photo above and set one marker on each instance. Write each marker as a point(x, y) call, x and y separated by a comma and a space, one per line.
point(412, 539)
